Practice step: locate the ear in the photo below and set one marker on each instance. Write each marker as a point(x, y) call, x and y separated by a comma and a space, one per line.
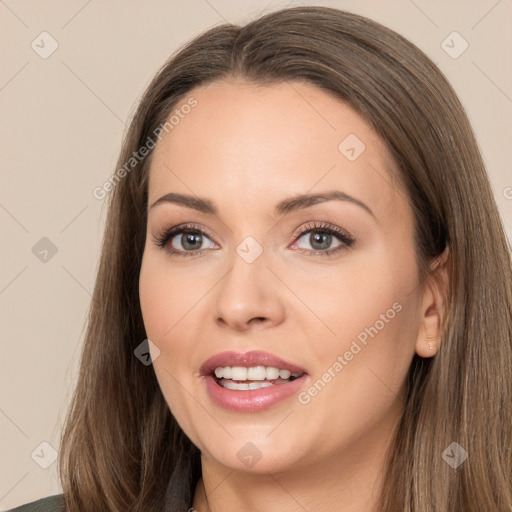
point(434, 306)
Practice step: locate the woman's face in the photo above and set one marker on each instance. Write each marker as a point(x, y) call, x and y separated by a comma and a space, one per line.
point(323, 288)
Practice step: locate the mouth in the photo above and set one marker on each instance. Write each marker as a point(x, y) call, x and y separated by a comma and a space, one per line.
point(241, 378)
point(251, 381)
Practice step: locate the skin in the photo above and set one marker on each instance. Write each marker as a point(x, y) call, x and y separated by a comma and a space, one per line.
point(245, 148)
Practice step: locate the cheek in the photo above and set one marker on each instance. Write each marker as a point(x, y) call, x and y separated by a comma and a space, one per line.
point(167, 297)
point(164, 303)
point(171, 300)
point(371, 310)
point(154, 301)
point(377, 329)
point(367, 297)
point(359, 373)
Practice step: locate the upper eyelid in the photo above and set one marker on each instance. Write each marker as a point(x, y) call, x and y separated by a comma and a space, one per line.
point(327, 226)
point(304, 228)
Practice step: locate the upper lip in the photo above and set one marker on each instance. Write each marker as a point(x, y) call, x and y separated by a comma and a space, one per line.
point(248, 359)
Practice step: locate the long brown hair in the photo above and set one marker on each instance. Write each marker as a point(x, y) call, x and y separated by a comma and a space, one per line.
point(121, 443)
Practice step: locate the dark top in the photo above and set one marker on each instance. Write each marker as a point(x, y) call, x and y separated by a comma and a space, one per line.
point(178, 497)
point(50, 504)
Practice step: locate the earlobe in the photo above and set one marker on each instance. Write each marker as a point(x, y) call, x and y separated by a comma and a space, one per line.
point(434, 307)
point(427, 344)
point(430, 342)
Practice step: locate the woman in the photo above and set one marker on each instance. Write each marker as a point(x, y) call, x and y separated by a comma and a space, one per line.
point(303, 240)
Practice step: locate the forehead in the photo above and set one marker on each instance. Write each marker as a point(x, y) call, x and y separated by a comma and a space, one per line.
point(253, 143)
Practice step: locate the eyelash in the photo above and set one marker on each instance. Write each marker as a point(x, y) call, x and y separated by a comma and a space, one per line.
point(346, 239)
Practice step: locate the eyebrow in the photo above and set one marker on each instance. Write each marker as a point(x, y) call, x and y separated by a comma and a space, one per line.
point(282, 208)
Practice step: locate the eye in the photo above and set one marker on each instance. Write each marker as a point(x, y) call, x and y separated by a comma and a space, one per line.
point(191, 240)
point(322, 237)
point(184, 240)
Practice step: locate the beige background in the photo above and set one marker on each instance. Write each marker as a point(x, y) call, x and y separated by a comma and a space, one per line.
point(61, 127)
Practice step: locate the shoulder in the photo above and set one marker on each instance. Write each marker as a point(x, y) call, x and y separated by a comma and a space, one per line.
point(49, 504)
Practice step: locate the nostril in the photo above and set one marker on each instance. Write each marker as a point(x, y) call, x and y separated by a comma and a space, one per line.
point(258, 319)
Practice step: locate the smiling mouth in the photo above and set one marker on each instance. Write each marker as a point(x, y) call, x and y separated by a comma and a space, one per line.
point(240, 378)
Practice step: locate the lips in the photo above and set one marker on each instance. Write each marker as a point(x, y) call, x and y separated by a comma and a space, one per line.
point(240, 399)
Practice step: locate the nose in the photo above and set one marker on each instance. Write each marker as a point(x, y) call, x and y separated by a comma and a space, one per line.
point(249, 296)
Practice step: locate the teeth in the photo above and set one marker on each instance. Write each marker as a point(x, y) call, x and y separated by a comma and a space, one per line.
point(239, 373)
point(233, 385)
point(229, 384)
point(259, 373)
point(272, 373)
point(258, 385)
point(256, 373)
point(284, 374)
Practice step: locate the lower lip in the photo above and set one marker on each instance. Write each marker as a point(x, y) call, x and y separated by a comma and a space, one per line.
point(252, 400)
